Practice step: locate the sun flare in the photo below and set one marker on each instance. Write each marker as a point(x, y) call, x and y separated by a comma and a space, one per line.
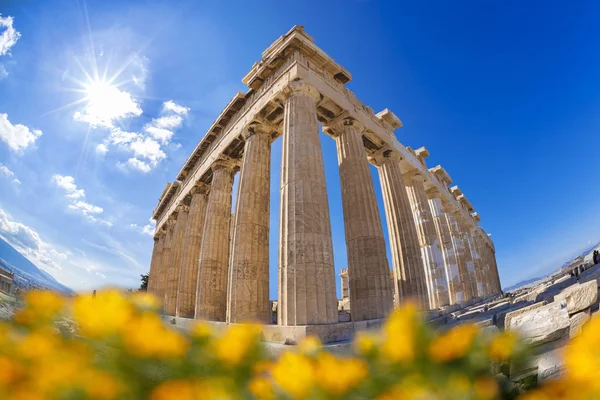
point(106, 103)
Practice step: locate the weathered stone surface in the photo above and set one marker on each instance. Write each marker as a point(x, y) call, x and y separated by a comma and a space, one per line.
point(577, 321)
point(507, 316)
point(579, 297)
point(368, 267)
point(527, 297)
point(550, 366)
point(410, 280)
point(306, 272)
point(548, 354)
point(542, 324)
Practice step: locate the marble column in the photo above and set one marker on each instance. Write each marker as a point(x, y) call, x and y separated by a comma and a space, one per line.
point(463, 260)
point(465, 237)
point(306, 273)
point(477, 261)
point(455, 290)
point(188, 279)
point(485, 270)
point(495, 271)
point(344, 283)
point(159, 243)
point(433, 260)
point(249, 270)
point(161, 281)
point(410, 281)
point(368, 268)
point(211, 295)
point(172, 287)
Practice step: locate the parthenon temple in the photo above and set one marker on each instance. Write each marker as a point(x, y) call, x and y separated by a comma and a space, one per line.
point(209, 263)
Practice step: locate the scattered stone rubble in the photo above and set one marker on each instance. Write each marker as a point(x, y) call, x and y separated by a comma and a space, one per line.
point(547, 315)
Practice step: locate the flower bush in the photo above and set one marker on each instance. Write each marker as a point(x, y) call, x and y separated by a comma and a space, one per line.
point(115, 346)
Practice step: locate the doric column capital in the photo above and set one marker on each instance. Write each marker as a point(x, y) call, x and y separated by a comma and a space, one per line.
point(223, 163)
point(338, 125)
point(384, 155)
point(300, 87)
point(412, 175)
point(433, 193)
point(476, 216)
point(182, 208)
point(199, 188)
point(170, 222)
point(257, 129)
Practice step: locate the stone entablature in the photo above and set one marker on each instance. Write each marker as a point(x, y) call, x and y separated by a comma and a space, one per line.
point(444, 258)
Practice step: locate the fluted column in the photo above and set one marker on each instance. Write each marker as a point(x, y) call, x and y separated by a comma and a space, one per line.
point(455, 290)
point(410, 281)
point(477, 261)
point(161, 281)
point(495, 271)
point(249, 270)
point(344, 283)
point(368, 268)
point(485, 264)
point(432, 257)
point(463, 260)
point(188, 280)
point(159, 243)
point(465, 235)
point(306, 273)
point(211, 296)
point(175, 261)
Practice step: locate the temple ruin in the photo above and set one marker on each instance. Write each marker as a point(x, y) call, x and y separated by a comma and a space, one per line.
point(210, 264)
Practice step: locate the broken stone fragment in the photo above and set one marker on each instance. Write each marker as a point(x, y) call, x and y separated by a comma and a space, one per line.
point(542, 324)
point(579, 296)
point(578, 320)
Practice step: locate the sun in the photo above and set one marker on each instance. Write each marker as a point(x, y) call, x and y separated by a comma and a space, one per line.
point(105, 103)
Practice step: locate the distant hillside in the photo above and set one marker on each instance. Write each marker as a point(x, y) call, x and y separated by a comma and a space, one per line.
point(27, 275)
point(522, 283)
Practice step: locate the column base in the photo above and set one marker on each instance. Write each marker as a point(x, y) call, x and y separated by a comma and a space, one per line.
point(291, 335)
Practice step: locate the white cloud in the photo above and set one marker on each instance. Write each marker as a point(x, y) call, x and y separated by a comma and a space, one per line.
point(67, 183)
point(27, 241)
point(76, 199)
point(107, 104)
point(5, 171)
point(135, 164)
point(170, 105)
point(3, 72)
point(9, 36)
point(17, 137)
point(101, 149)
point(147, 229)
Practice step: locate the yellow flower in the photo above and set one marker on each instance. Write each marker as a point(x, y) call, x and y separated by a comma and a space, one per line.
point(309, 345)
point(40, 307)
point(147, 336)
point(102, 315)
point(100, 385)
point(202, 330)
point(9, 371)
point(453, 344)
point(145, 301)
point(38, 344)
point(262, 366)
point(399, 334)
point(502, 346)
point(237, 341)
point(364, 343)
point(176, 389)
point(582, 356)
point(261, 388)
point(485, 388)
point(294, 373)
point(337, 376)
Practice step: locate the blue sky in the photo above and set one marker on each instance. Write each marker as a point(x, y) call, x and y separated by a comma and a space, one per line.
point(505, 96)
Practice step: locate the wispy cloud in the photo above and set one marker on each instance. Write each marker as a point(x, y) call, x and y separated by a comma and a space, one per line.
point(147, 147)
point(9, 35)
point(77, 201)
point(147, 229)
point(18, 137)
point(6, 172)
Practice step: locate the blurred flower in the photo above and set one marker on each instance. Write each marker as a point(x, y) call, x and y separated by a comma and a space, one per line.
point(102, 315)
point(147, 336)
point(294, 373)
point(233, 346)
point(453, 344)
point(339, 375)
point(502, 346)
point(309, 345)
point(399, 334)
